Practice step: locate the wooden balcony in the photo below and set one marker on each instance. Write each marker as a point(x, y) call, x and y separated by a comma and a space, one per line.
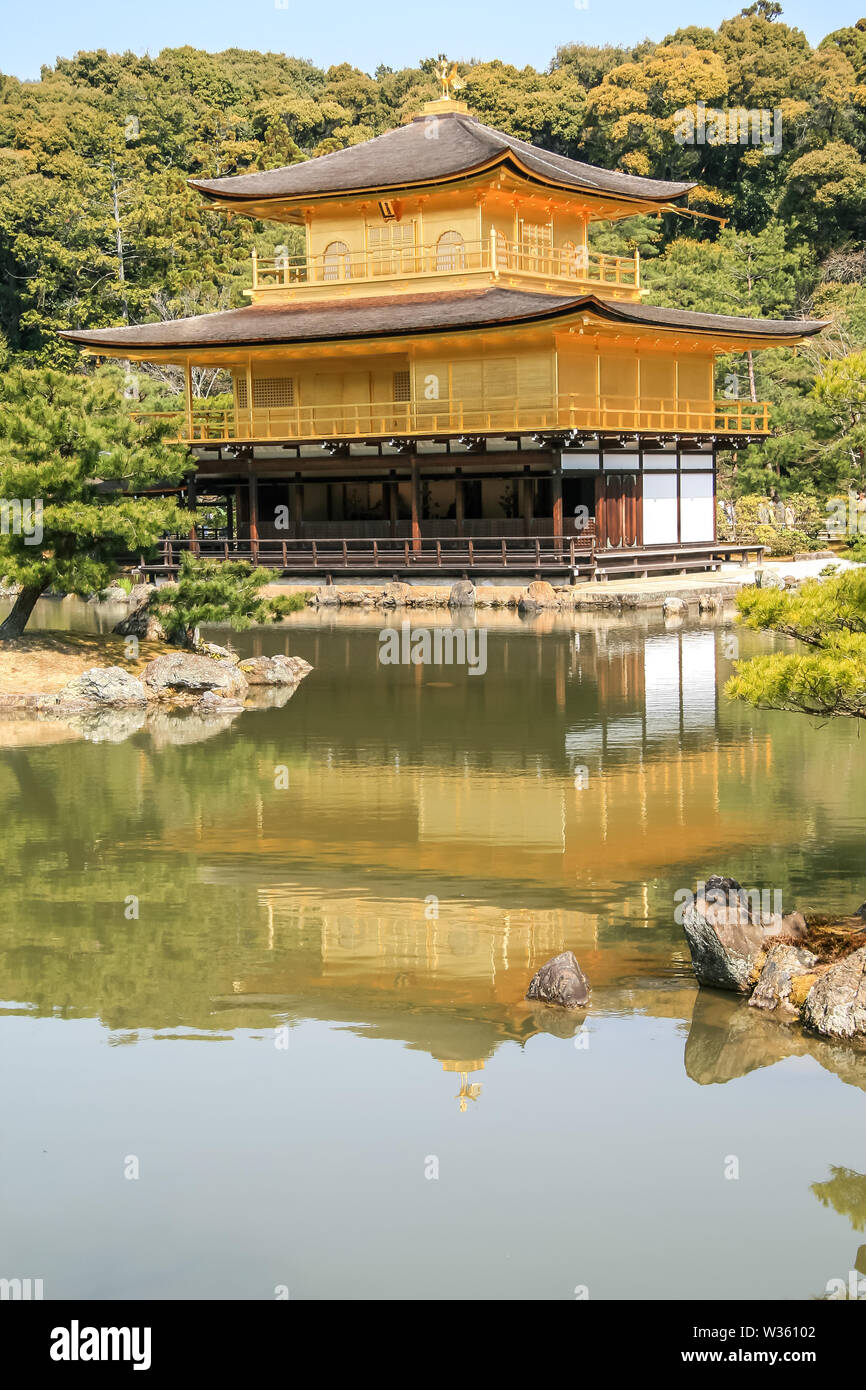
point(493, 259)
point(307, 424)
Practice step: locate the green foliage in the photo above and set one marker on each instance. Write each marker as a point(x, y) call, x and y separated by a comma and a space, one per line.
point(219, 591)
point(70, 443)
point(784, 540)
point(829, 616)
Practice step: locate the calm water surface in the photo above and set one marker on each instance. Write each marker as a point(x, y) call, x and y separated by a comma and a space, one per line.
point(320, 1001)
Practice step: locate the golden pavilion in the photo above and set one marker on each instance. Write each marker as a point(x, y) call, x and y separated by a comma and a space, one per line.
point(449, 379)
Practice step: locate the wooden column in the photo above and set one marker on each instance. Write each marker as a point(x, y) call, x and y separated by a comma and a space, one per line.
point(187, 394)
point(526, 504)
point(191, 502)
point(230, 521)
point(296, 508)
point(391, 489)
point(459, 505)
point(416, 506)
point(556, 489)
point(254, 516)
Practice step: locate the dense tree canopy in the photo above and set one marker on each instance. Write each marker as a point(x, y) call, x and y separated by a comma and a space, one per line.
point(98, 226)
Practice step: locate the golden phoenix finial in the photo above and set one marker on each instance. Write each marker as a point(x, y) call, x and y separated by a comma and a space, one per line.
point(448, 78)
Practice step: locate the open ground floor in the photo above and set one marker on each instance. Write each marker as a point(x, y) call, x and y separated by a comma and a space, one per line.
point(469, 507)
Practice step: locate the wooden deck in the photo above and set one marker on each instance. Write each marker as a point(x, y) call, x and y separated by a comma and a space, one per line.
point(569, 558)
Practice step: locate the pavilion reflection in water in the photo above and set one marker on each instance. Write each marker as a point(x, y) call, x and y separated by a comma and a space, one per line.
point(416, 954)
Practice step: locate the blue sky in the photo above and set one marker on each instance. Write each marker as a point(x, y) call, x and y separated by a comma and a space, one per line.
point(395, 32)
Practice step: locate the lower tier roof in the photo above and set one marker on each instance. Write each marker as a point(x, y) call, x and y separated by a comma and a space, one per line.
point(410, 315)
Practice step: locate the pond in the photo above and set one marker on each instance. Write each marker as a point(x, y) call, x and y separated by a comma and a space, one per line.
point(264, 1027)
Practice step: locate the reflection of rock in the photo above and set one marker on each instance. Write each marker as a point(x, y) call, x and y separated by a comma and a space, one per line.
point(560, 981)
point(185, 673)
point(269, 696)
point(173, 727)
point(104, 685)
point(836, 1005)
point(726, 1041)
point(275, 670)
point(724, 937)
point(560, 1024)
point(110, 725)
point(786, 979)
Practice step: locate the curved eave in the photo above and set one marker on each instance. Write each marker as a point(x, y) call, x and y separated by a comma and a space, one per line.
point(245, 202)
point(273, 328)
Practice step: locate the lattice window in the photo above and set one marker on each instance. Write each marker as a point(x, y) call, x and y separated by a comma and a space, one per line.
point(269, 392)
point(391, 248)
point(402, 386)
point(450, 252)
point(336, 262)
point(536, 243)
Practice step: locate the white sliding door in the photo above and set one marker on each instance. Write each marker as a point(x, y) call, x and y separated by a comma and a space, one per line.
point(696, 506)
point(659, 508)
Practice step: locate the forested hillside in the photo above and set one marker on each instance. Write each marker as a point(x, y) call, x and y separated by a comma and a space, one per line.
point(97, 224)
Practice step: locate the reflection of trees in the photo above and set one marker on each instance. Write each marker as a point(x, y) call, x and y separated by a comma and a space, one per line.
point(845, 1192)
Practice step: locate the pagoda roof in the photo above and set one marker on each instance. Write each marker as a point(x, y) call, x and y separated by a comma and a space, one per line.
point(410, 157)
point(411, 315)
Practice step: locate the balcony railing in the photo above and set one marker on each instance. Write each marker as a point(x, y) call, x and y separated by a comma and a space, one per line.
point(501, 415)
point(494, 253)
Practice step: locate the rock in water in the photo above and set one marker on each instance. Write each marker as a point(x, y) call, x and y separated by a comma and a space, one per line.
point(836, 1005)
point(462, 594)
point(104, 685)
point(674, 607)
point(275, 670)
point(726, 941)
point(788, 975)
point(184, 673)
point(542, 593)
point(561, 981)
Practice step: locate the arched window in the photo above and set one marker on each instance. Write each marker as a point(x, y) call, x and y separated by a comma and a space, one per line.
point(336, 262)
point(450, 252)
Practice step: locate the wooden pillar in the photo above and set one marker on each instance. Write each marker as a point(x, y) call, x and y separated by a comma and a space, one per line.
point(600, 512)
point(187, 392)
point(296, 508)
point(459, 505)
point(230, 520)
point(416, 506)
point(191, 502)
point(556, 489)
point(254, 516)
point(249, 398)
point(393, 498)
point(526, 486)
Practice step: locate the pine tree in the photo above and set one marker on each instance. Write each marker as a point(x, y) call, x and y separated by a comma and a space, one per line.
point(73, 468)
point(218, 591)
point(829, 617)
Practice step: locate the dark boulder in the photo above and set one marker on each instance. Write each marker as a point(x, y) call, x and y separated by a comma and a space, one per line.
point(560, 981)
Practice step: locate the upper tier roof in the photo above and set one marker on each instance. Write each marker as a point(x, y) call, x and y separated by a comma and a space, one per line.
point(406, 315)
point(421, 153)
